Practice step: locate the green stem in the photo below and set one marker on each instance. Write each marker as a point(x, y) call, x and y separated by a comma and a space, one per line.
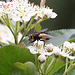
point(11, 24)
point(40, 69)
point(71, 61)
point(29, 25)
point(16, 39)
point(55, 61)
point(71, 66)
point(50, 64)
point(7, 19)
point(16, 28)
point(23, 36)
point(7, 23)
point(16, 34)
point(45, 64)
point(66, 64)
point(33, 25)
point(25, 32)
point(11, 31)
point(36, 62)
point(4, 21)
point(21, 27)
point(24, 25)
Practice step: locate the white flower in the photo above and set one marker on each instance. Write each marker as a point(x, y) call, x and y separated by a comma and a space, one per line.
point(71, 57)
point(63, 52)
point(49, 47)
point(67, 45)
point(26, 18)
point(39, 48)
point(19, 10)
point(40, 44)
point(57, 51)
point(33, 49)
point(16, 18)
point(53, 15)
point(6, 36)
point(42, 58)
point(46, 12)
point(49, 13)
point(67, 50)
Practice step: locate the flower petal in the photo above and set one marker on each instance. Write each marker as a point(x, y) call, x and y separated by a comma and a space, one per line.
point(71, 57)
point(32, 49)
point(49, 53)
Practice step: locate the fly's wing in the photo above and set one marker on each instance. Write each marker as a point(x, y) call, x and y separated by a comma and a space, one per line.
point(45, 36)
point(43, 30)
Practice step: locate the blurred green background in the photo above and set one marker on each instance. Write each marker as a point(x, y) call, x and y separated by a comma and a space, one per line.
point(66, 14)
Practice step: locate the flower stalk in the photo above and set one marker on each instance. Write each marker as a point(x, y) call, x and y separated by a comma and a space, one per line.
point(33, 25)
point(66, 64)
point(70, 67)
point(25, 32)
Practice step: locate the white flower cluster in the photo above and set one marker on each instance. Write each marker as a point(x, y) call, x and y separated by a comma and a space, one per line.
point(39, 47)
point(19, 10)
point(69, 46)
point(6, 36)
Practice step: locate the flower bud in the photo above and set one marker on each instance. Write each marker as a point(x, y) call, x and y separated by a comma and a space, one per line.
point(57, 51)
point(42, 58)
point(40, 44)
point(49, 47)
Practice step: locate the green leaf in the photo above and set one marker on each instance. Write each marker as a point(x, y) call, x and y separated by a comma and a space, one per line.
point(72, 72)
point(47, 63)
point(62, 69)
point(38, 28)
point(61, 35)
point(27, 68)
point(52, 65)
point(72, 40)
point(55, 66)
point(12, 54)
